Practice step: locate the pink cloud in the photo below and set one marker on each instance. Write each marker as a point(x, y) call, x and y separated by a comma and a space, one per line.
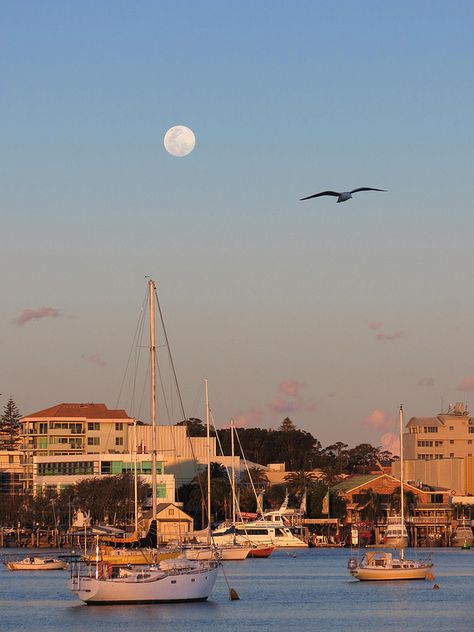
point(395, 336)
point(250, 419)
point(426, 381)
point(290, 387)
point(35, 314)
point(467, 384)
point(289, 399)
point(284, 406)
point(378, 419)
point(375, 324)
point(94, 359)
point(391, 442)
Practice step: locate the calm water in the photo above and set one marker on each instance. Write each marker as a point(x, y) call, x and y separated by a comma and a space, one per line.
point(301, 591)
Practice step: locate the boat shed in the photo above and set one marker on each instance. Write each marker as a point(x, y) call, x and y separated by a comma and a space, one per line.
point(173, 523)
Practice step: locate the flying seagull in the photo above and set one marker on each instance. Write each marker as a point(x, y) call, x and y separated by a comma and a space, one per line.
point(343, 196)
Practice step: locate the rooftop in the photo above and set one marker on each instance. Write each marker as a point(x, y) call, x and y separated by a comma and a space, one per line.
point(88, 411)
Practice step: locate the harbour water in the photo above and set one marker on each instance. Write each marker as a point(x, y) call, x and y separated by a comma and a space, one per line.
point(304, 591)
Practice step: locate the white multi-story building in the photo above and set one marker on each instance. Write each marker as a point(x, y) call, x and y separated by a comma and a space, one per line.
point(439, 450)
point(69, 442)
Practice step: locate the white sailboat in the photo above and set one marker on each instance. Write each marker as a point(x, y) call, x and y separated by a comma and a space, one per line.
point(172, 580)
point(211, 549)
point(383, 565)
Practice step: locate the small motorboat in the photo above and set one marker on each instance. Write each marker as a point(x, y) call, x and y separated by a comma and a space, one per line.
point(261, 551)
point(37, 564)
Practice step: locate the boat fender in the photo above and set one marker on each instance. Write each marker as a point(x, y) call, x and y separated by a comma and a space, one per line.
point(352, 564)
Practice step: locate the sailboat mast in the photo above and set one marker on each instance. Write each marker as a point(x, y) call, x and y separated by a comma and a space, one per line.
point(233, 469)
point(208, 435)
point(151, 288)
point(402, 496)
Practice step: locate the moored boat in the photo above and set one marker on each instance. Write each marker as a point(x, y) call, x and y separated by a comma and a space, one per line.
point(36, 564)
point(170, 581)
point(382, 565)
point(261, 551)
point(463, 536)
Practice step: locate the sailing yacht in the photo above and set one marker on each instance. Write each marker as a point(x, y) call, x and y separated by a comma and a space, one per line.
point(171, 580)
point(383, 565)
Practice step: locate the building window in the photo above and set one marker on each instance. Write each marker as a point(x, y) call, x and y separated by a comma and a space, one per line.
point(469, 441)
point(451, 427)
point(438, 443)
point(451, 454)
point(93, 425)
point(471, 429)
point(118, 427)
point(430, 429)
point(451, 441)
point(118, 440)
point(93, 441)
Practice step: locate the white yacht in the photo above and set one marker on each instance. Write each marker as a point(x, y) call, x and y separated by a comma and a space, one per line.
point(463, 535)
point(394, 538)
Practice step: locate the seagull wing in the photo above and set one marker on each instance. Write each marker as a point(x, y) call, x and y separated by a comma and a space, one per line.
point(367, 189)
point(333, 193)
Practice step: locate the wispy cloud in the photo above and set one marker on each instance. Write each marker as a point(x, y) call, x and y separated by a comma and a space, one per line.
point(391, 442)
point(375, 324)
point(289, 399)
point(467, 384)
point(250, 419)
point(382, 424)
point(37, 314)
point(426, 381)
point(395, 336)
point(290, 387)
point(94, 359)
point(378, 419)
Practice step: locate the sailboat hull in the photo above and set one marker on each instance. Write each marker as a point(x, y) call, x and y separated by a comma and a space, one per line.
point(389, 574)
point(152, 586)
point(382, 566)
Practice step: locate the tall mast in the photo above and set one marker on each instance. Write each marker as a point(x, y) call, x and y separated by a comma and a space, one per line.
point(208, 464)
point(233, 469)
point(151, 287)
point(402, 499)
point(135, 475)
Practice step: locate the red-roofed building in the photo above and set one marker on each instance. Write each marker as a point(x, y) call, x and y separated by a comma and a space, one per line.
point(73, 429)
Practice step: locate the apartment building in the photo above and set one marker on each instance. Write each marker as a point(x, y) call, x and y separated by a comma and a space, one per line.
point(70, 441)
point(72, 429)
point(55, 473)
point(11, 472)
point(439, 450)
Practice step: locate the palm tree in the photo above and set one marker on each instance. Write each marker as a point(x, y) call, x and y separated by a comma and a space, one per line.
point(371, 508)
point(300, 481)
point(257, 476)
point(410, 501)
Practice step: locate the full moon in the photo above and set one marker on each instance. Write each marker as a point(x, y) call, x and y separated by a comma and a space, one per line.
point(179, 141)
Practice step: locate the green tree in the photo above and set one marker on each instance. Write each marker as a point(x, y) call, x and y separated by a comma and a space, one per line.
point(195, 427)
point(371, 507)
point(287, 425)
point(10, 427)
point(300, 481)
point(365, 458)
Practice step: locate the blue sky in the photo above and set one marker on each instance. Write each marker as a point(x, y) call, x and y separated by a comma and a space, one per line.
point(330, 313)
